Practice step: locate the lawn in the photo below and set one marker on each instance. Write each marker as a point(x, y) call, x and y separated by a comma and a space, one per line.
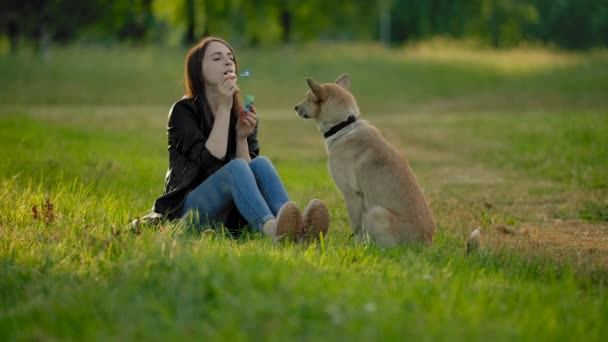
point(514, 142)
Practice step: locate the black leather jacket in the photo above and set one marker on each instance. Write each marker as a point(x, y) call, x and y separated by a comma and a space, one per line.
point(190, 163)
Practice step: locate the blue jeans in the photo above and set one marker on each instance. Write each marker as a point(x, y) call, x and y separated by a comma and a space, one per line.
point(255, 188)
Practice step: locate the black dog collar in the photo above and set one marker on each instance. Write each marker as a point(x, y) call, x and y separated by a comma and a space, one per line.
point(339, 126)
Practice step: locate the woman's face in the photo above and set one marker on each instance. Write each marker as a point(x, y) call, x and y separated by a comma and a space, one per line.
point(217, 62)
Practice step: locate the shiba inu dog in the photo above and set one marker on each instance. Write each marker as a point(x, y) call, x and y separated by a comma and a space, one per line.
point(383, 198)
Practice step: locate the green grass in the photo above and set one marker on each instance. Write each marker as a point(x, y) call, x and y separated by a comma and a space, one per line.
point(514, 139)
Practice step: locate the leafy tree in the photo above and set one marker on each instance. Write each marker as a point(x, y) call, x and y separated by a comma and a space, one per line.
point(500, 23)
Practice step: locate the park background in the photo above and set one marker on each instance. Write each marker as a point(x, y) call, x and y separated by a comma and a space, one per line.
point(500, 106)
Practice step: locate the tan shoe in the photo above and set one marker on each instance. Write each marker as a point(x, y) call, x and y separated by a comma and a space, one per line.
point(289, 220)
point(315, 221)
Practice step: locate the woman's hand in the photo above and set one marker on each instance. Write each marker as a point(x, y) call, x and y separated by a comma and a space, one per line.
point(227, 89)
point(247, 122)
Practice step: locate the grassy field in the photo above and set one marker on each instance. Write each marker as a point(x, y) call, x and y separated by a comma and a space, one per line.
point(515, 142)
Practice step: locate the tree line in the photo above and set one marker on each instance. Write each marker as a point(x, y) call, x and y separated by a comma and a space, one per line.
point(572, 24)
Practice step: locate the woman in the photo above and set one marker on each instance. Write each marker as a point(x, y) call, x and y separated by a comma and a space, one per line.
point(215, 174)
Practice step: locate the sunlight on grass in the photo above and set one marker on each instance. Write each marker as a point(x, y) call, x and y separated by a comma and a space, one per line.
point(520, 60)
point(513, 142)
point(385, 80)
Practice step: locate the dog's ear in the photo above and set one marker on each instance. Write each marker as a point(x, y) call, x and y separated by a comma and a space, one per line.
point(316, 88)
point(344, 82)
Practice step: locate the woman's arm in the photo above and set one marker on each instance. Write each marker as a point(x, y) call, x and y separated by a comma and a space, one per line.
point(185, 135)
point(217, 143)
point(242, 149)
point(246, 137)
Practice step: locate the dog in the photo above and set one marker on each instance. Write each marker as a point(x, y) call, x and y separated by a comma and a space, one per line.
point(384, 201)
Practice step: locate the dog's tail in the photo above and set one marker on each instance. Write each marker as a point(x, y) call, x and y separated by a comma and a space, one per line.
point(474, 241)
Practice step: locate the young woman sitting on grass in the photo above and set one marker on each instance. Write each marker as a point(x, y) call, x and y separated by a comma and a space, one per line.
point(215, 172)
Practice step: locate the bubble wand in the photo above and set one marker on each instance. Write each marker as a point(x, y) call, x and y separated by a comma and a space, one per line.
point(248, 98)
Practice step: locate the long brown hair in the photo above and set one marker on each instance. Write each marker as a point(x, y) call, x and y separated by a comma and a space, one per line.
point(193, 76)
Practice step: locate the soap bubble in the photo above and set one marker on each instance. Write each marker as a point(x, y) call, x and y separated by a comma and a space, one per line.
point(245, 73)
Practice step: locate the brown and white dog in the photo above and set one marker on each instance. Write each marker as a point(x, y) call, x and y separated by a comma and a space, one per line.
point(383, 198)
